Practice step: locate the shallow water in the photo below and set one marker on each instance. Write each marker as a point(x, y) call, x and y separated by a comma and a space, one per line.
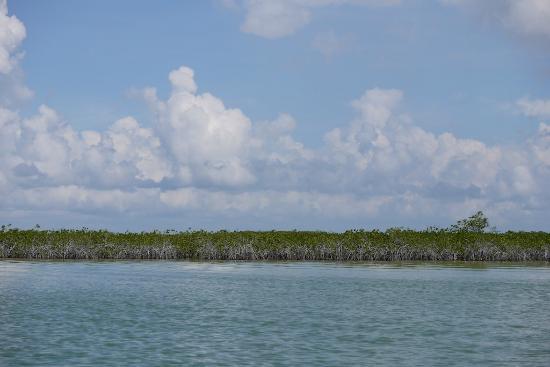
point(272, 314)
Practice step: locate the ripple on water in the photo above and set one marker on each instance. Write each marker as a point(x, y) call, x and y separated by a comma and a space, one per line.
point(259, 313)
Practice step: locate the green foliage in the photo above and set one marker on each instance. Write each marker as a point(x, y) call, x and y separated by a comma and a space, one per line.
point(464, 241)
point(476, 223)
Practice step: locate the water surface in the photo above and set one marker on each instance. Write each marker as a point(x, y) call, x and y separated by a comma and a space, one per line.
point(272, 314)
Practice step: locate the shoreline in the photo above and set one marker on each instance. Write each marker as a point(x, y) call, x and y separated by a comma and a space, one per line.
point(404, 264)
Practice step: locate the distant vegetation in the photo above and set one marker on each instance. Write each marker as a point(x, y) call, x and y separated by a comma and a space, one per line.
point(467, 240)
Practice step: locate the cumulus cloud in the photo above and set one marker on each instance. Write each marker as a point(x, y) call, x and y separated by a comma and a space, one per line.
point(402, 156)
point(12, 33)
point(208, 142)
point(49, 148)
point(199, 157)
point(276, 19)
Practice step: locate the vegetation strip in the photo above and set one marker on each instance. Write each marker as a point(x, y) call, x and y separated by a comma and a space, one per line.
point(467, 240)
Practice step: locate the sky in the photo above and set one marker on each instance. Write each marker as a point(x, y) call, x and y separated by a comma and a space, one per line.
point(264, 114)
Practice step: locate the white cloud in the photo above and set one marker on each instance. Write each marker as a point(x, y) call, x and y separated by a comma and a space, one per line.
point(530, 16)
point(276, 202)
point(202, 157)
point(12, 88)
point(276, 19)
point(404, 156)
point(131, 143)
point(12, 33)
point(274, 142)
point(208, 142)
point(75, 198)
point(527, 17)
point(43, 150)
point(539, 108)
point(541, 146)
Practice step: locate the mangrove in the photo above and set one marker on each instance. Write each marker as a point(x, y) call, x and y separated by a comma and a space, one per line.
point(467, 240)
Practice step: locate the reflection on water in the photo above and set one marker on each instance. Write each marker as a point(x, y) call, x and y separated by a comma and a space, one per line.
point(255, 313)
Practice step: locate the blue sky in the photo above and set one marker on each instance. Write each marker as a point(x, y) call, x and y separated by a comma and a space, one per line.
point(300, 153)
point(458, 74)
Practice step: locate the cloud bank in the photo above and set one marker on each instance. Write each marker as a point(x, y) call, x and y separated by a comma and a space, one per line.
point(200, 158)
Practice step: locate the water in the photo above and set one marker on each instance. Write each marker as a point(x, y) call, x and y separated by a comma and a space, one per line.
point(272, 314)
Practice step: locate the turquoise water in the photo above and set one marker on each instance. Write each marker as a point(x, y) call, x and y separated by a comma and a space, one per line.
point(272, 314)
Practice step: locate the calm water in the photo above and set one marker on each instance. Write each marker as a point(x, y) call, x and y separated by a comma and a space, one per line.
point(265, 314)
